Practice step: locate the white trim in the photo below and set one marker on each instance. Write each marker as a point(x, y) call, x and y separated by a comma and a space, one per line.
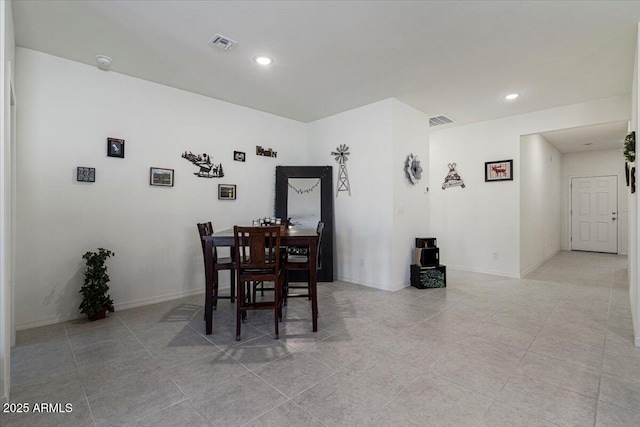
point(530, 269)
point(402, 286)
point(407, 284)
point(118, 307)
point(482, 271)
point(379, 286)
point(155, 300)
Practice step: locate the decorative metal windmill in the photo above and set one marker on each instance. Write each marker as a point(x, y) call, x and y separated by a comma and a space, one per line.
point(341, 153)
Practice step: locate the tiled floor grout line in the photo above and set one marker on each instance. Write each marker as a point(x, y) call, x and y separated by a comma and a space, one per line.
point(86, 398)
point(136, 337)
point(168, 376)
point(527, 351)
point(288, 399)
point(604, 347)
point(279, 405)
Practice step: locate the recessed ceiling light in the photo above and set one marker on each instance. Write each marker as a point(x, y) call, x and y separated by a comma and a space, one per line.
point(511, 96)
point(263, 60)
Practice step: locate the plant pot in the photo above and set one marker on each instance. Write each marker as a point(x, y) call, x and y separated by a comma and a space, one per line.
point(99, 315)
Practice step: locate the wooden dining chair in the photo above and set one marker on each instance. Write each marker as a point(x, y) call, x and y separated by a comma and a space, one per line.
point(260, 286)
point(257, 251)
point(301, 262)
point(219, 263)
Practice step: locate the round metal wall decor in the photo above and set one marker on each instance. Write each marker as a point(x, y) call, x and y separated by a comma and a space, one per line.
point(413, 169)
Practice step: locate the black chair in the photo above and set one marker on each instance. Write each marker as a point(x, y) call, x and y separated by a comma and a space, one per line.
point(301, 262)
point(257, 252)
point(224, 263)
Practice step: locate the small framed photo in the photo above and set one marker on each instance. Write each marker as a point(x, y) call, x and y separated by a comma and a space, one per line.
point(115, 147)
point(226, 192)
point(238, 156)
point(501, 170)
point(86, 174)
point(161, 177)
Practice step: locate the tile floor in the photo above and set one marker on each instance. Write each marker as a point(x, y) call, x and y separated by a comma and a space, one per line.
point(554, 348)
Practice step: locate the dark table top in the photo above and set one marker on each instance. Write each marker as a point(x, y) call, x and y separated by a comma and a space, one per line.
point(291, 236)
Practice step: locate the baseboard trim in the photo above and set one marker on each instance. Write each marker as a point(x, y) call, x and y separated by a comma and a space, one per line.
point(118, 307)
point(482, 271)
point(158, 299)
point(401, 286)
point(530, 269)
point(379, 286)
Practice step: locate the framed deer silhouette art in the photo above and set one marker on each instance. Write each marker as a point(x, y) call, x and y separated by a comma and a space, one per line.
point(501, 170)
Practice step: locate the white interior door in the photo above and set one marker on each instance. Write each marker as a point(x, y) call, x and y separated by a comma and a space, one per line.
point(594, 214)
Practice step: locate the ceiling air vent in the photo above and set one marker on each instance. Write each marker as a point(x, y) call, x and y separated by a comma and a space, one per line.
point(222, 42)
point(439, 120)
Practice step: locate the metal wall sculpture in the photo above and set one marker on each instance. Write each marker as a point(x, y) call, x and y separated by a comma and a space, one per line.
point(260, 151)
point(341, 153)
point(207, 168)
point(452, 179)
point(412, 169)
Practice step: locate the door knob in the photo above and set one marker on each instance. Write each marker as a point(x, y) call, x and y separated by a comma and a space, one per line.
point(613, 219)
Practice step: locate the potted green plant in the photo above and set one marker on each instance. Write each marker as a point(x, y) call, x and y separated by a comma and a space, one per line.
point(630, 147)
point(95, 299)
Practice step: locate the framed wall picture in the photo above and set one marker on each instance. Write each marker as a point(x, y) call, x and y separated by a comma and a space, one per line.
point(239, 156)
point(115, 147)
point(500, 170)
point(161, 177)
point(226, 192)
point(86, 174)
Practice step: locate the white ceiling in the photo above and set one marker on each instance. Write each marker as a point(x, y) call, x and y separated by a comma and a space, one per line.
point(599, 137)
point(442, 57)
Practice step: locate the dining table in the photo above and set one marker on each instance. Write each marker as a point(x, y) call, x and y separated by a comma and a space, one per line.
point(293, 236)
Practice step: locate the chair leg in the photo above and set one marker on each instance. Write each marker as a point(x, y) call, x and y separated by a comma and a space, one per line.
point(232, 286)
point(276, 311)
point(254, 290)
point(239, 312)
point(215, 288)
point(285, 287)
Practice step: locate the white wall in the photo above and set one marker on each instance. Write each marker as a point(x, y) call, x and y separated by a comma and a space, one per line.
point(594, 163)
point(473, 223)
point(376, 227)
point(540, 201)
point(410, 202)
point(67, 110)
point(364, 221)
point(7, 59)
